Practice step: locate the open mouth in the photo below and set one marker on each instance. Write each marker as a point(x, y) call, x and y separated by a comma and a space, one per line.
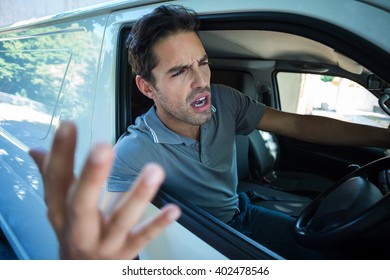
point(201, 103)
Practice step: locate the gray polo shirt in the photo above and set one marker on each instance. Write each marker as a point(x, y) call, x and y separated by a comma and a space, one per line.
point(204, 172)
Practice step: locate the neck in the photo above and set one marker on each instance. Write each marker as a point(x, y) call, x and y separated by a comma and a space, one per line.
point(180, 127)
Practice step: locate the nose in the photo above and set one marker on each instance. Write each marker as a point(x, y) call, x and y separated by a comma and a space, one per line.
point(200, 76)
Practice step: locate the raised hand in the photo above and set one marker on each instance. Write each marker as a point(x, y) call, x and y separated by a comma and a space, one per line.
point(83, 231)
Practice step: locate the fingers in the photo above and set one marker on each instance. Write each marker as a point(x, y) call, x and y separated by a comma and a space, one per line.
point(130, 209)
point(93, 176)
point(38, 155)
point(61, 158)
point(57, 172)
point(83, 211)
point(144, 233)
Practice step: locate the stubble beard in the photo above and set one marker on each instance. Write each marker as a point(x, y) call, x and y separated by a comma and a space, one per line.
point(185, 113)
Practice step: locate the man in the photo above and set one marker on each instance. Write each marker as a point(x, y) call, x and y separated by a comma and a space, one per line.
point(191, 129)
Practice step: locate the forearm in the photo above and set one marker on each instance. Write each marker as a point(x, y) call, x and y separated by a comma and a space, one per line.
point(334, 132)
point(323, 130)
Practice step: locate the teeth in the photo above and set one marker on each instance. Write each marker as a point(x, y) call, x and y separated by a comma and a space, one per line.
point(200, 102)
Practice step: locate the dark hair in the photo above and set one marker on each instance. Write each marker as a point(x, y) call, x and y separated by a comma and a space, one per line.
point(164, 21)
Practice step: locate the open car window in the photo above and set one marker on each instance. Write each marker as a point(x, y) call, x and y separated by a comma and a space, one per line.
point(261, 58)
point(330, 96)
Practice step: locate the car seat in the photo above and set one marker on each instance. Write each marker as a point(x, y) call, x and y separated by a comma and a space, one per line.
point(259, 177)
point(264, 150)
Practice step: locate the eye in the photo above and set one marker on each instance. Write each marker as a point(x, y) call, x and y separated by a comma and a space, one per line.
point(178, 73)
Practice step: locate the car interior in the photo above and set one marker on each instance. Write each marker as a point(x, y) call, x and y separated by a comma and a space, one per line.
point(305, 180)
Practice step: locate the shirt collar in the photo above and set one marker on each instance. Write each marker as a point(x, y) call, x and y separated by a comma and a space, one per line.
point(163, 135)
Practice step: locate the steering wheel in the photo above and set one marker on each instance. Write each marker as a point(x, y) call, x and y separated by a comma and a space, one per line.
point(352, 206)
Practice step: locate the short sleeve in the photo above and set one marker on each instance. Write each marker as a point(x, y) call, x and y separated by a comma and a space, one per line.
point(247, 112)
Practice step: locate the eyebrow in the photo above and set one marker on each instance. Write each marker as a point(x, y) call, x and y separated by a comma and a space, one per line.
point(178, 68)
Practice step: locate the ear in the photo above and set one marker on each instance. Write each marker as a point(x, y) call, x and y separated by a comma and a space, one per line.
point(144, 86)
